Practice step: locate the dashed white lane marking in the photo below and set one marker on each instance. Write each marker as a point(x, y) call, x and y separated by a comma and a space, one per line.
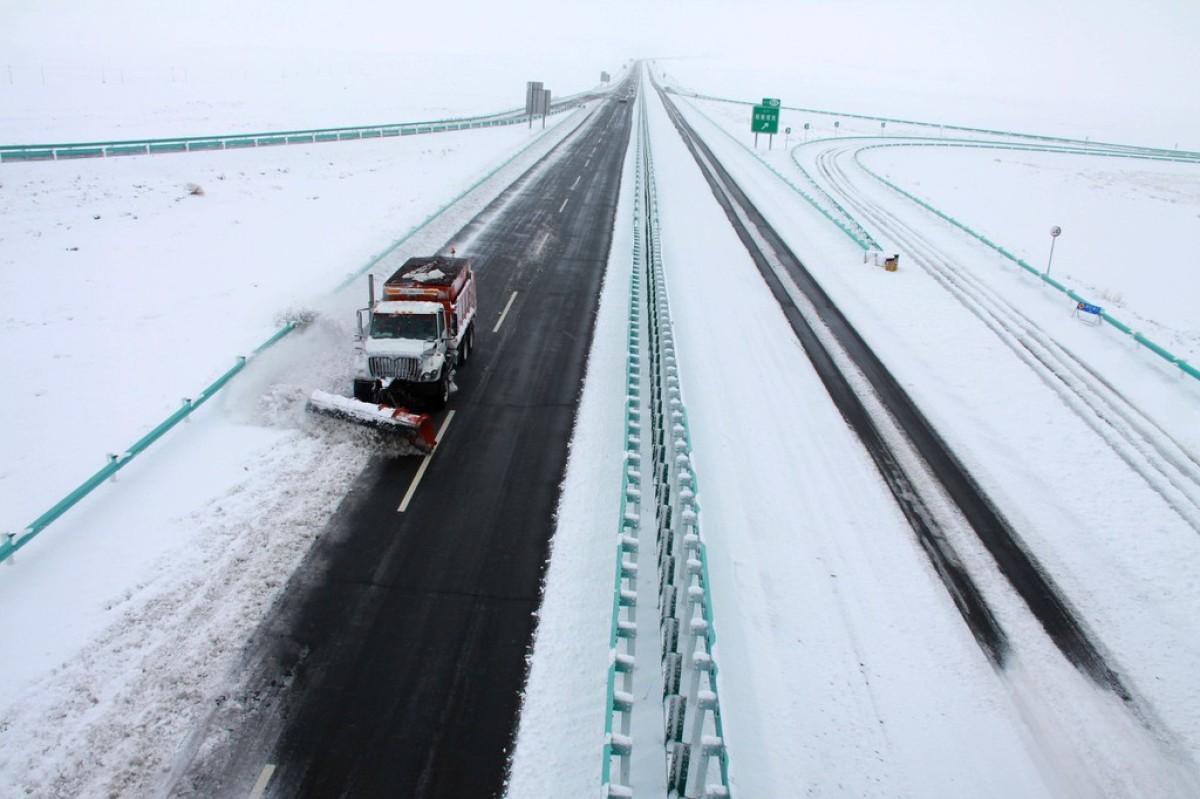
point(576, 183)
point(587, 163)
point(564, 205)
point(412, 488)
point(504, 313)
point(260, 785)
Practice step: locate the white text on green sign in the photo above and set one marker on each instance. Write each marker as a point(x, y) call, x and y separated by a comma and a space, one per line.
point(764, 120)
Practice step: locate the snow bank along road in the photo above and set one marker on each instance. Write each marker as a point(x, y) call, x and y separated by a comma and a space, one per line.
point(394, 664)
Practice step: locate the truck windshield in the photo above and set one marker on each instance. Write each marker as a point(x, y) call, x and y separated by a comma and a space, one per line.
point(422, 327)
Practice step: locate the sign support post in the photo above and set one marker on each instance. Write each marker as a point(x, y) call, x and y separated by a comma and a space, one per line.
point(533, 99)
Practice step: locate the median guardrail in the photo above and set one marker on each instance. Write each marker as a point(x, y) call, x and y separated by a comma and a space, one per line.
point(622, 639)
point(695, 736)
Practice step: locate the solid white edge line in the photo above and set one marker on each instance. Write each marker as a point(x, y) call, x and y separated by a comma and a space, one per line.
point(564, 205)
point(412, 487)
point(264, 778)
point(504, 313)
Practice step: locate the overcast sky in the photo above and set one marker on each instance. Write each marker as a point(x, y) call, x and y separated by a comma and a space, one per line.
point(1134, 55)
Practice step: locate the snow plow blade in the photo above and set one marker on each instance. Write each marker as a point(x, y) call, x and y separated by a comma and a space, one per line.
point(416, 427)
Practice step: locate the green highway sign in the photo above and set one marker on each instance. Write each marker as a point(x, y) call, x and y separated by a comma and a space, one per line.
point(764, 120)
point(771, 102)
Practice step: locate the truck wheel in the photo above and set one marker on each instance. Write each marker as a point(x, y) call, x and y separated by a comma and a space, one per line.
point(443, 391)
point(467, 348)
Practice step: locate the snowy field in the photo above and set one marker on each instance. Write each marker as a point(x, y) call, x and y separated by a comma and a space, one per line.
point(1127, 224)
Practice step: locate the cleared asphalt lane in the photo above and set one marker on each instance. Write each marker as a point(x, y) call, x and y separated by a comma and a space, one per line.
point(393, 665)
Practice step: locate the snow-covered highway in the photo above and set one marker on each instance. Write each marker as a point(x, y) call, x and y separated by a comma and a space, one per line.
point(721, 507)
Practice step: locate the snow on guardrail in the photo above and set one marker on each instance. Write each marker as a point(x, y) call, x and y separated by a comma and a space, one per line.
point(622, 642)
point(691, 706)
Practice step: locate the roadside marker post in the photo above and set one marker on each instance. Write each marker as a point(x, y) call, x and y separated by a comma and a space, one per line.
point(1055, 232)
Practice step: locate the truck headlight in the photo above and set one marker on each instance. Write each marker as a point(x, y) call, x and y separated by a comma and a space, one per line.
point(430, 367)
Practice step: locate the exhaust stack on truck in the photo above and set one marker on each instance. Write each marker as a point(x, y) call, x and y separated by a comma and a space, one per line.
point(408, 346)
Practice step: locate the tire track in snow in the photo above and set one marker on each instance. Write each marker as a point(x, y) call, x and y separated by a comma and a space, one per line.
point(1037, 590)
point(963, 591)
point(1166, 466)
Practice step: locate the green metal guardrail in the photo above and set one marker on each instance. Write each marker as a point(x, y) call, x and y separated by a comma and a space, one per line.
point(683, 552)
point(1189, 154)
point(623, 629)
point(102, 149)
point(1157, 349)
point(12, 542)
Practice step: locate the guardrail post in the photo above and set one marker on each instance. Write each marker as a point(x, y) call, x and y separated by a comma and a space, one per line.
point(690, 706)
point(701, 747)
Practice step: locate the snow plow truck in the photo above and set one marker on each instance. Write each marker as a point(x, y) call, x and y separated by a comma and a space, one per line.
point(408, 345)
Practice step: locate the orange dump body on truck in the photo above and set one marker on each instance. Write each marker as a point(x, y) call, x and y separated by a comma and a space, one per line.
point(440, 279)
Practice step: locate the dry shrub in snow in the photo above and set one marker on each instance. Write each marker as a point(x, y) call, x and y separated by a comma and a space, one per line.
point(301, 316)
